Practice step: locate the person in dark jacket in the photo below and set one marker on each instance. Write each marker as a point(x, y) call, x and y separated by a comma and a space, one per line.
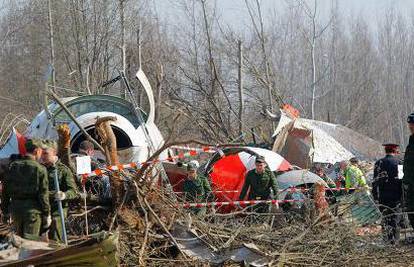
point(408, 168)
point(387, 191)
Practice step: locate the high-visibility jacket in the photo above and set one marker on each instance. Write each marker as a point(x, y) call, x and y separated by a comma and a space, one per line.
point(354, 177)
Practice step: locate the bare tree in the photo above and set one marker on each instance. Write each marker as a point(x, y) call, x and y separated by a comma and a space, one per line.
point(51, 41)
point(343, 70)
point(312, 37)
point(241, 93)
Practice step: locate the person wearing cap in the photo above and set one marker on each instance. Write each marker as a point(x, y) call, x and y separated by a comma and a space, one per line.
point(354, 177)
point(408, 169)
point(387, 191)
point(25, 196)
point(259, 183)
point(196, 188)
point(67, 186)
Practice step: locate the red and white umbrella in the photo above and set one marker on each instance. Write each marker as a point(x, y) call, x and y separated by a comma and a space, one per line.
point(274, 161)
point(228, 169)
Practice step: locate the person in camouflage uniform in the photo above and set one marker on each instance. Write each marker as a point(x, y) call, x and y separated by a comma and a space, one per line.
point(67, 186)
point(260, 181)
point(25, 194)
point(408, 169)
point(196, 188)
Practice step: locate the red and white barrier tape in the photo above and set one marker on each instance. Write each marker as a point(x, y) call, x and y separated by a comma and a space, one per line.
point(218, 191)
point(290, 190)
point(205, 149)
point(304, 189)
point(237, 203)
point(138, 165)
point(119, 167)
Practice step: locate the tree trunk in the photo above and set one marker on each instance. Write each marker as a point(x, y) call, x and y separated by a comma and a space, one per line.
point(51, 42)
point(241, 96)
point(123, 46)
point(64, 146)
point(108, 140)
point(313, 79)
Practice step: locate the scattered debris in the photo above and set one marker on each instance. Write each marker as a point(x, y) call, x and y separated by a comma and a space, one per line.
point(304, 142)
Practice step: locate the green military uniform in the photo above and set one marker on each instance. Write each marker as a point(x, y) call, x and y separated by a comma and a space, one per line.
point(26, 197)
point(197, 190)
point(354, 177)
point(408, 179)
point(260, 184)
point(68, 186)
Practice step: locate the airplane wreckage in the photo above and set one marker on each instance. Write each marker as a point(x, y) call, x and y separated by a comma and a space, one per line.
point(137, 138)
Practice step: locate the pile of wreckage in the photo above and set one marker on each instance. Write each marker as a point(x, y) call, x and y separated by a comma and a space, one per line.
point(147, 223)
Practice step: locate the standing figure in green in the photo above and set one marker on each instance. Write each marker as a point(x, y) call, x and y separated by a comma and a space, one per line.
point(25, 197)
point(196, 188)
point(354, 177)
point(260, 180)
point(408, 169)
point(67, 186)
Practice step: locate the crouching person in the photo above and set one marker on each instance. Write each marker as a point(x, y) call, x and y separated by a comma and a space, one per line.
point(67, 187)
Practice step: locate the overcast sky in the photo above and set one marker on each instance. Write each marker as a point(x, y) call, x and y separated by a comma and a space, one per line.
point(234, 11)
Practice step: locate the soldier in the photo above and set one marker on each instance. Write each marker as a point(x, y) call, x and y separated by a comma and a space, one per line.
point(67, 187)
point(408, 168)
point(387, 191)
point(354, 177)
point(26, 193)
point(260, 181)
point(196, 188)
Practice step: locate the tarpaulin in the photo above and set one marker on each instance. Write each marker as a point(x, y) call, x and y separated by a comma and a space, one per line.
point(303, 142)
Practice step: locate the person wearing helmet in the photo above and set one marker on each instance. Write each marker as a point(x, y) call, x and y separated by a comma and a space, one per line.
point(408, 169)
point(196, 188)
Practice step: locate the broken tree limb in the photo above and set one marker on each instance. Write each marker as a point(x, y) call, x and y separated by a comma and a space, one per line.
point(64, 146)
point(178, 143)
point(157, 218)
point(72, 117)
point(147, 228)
point(108, 139)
